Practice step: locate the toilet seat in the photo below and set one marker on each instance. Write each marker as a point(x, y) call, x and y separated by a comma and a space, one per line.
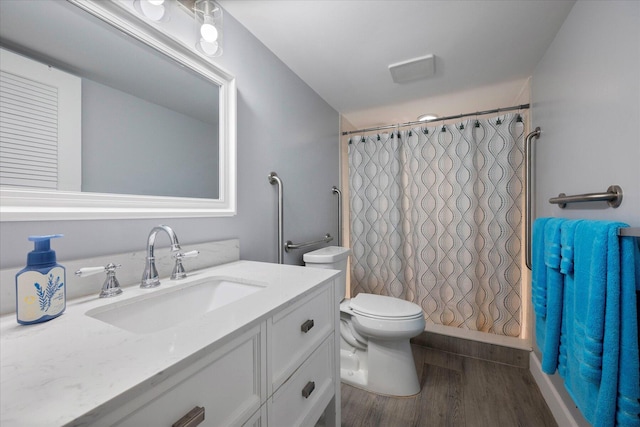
point(386, 318)
point(384, 308)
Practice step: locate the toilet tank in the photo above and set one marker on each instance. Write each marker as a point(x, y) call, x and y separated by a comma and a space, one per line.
point(332, 257)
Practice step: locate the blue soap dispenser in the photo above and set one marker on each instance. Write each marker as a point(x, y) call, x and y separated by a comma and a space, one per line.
point(40, 286)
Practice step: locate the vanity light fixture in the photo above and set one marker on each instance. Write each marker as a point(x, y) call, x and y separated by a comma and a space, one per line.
point(208, 16)
point(427, 117)
point(154, 10)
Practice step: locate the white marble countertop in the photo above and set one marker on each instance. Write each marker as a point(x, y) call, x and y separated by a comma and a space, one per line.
point(74, 368)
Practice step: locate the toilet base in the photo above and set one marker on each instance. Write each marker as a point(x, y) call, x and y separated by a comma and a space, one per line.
point(386, 367)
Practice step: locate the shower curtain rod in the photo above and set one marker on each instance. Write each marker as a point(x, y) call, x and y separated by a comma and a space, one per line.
point(477, 113)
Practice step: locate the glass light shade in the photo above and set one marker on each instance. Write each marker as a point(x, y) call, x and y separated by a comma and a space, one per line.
point(153, 10)
point(208, 48)
point(208, 18)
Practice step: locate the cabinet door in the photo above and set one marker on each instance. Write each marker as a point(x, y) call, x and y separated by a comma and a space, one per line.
point(296, 331)
point(228, 387)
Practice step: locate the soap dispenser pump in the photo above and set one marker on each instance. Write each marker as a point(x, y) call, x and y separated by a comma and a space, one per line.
point(40, 286)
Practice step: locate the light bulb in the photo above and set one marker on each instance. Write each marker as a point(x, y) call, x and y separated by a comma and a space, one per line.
point(427, 117)
point(208, 30)
point(152, 9)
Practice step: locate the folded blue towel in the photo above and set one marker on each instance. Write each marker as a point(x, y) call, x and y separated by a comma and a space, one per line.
point(603, 280)
point(552, 243)
point(601, 367)
point(567, 238)
point(539, 280)
point(554, 295)
point(567, 235)
point(538, 270)
point(628, 399)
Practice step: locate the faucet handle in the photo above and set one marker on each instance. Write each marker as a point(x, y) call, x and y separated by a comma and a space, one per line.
point(89, 271)
point(190, 254)
point(111, 286)
point(178, 270)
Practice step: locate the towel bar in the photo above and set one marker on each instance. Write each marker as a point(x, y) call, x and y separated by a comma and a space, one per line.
point(613, 197)
point(629, 231)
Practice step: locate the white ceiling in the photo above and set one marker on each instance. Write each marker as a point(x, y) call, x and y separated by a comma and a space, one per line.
point(485, 50)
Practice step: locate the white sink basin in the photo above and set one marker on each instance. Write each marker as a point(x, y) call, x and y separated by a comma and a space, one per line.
point(163, 309)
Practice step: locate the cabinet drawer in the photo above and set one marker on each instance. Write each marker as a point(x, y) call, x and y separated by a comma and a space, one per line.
point(297, 331)
point(228, 388)
point(303, 398)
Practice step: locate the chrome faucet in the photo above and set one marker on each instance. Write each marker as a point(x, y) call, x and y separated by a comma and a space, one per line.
point(150, 277)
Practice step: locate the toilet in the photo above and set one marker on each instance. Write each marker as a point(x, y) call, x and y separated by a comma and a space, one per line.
point(375, 353)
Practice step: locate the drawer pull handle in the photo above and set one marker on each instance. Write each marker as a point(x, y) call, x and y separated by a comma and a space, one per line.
point(191, 419)
point(308, 389)
point(306, 326)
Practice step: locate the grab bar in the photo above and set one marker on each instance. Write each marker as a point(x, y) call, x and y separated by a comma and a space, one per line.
point(337, 191)
point(528, 180)
point(273, 180)
point(613, 197)
point(289, 245)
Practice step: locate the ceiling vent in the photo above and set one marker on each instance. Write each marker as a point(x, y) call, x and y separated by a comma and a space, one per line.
point(413, 69)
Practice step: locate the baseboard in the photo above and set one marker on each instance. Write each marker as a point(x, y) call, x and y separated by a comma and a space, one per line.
point(560, 411)
point(465, 345)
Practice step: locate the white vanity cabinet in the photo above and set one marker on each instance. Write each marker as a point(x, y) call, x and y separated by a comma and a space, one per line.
point(228, 384)
point(269, 358)
point(281, 372)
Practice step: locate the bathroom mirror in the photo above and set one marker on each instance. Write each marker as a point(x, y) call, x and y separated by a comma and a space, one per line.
point(157, 128)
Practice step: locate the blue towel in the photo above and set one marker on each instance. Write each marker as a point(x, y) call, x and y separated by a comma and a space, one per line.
point(604, 267)
point(539, 280)
point(628, 405)
point(567, 234)
point(538, 270)
point(567, 246)
point(602, 379)
point(554, 294)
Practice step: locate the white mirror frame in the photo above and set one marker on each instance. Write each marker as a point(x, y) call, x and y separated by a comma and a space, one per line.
point(43, 205)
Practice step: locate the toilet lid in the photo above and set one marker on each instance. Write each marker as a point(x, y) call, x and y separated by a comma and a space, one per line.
point(384, 307)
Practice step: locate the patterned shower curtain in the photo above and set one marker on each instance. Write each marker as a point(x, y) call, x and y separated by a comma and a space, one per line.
point(436, 219)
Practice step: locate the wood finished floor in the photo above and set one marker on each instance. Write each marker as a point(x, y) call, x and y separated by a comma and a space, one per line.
point(456, 391)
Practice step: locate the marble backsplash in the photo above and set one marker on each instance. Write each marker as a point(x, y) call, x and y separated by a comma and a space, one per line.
point(211, 254)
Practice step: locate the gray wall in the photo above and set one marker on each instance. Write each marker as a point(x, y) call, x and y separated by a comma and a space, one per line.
point(586, 99)
point(283, 126)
